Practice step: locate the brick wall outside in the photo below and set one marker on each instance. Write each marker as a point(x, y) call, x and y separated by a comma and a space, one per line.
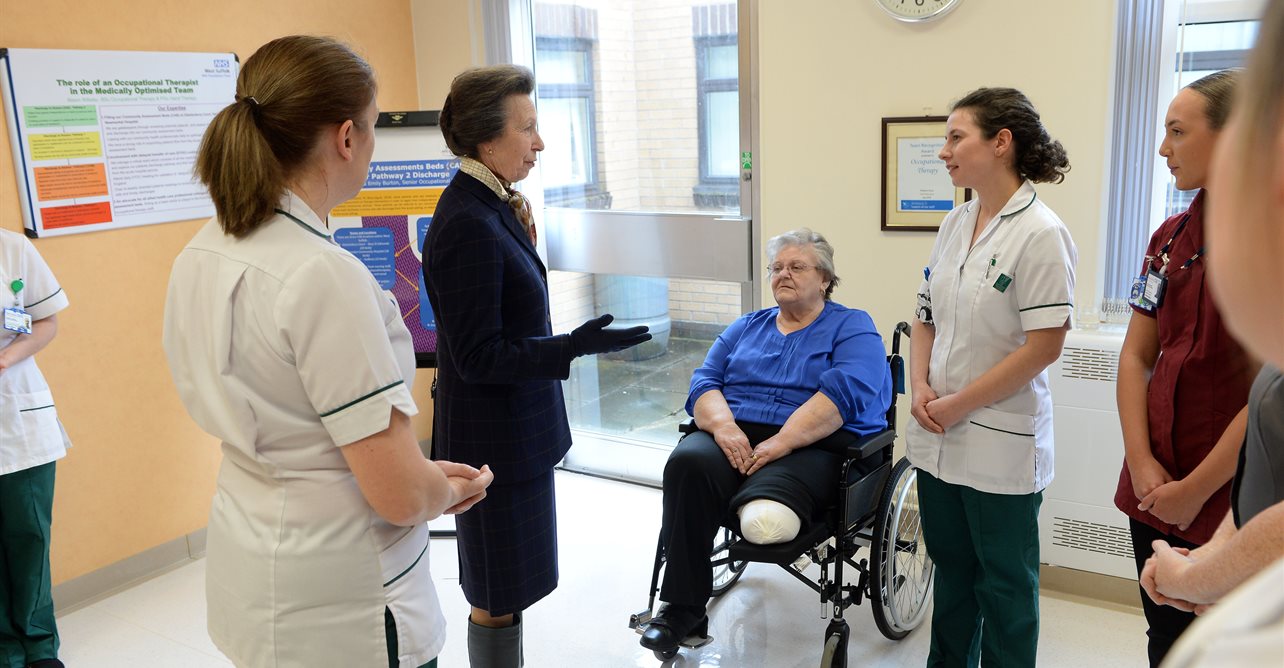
point(647, 142)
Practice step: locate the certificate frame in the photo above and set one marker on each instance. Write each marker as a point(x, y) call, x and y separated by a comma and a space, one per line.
point(931, 195)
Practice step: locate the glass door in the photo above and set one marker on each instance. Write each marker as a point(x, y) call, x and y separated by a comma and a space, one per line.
point(646, 181)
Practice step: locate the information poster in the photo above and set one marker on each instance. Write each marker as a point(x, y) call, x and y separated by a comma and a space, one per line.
point(107, 139)
point(385, 224)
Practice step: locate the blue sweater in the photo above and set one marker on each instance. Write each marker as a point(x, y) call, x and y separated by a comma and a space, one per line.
point(765, 375)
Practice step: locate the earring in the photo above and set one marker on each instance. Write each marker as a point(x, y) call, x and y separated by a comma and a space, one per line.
point(490, 151)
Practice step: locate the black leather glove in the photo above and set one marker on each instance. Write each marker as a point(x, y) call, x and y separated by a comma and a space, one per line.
point(592, 337)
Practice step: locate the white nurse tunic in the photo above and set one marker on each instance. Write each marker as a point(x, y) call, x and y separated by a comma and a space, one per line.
point(284, 346)
point(982, 300)
point(30, 433)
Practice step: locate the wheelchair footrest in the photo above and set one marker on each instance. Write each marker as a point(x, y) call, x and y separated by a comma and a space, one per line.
point(639, 621)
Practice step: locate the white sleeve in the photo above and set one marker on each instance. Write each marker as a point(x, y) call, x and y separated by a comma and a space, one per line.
point(329, 316)
point(1045, 279)
point(41, 295)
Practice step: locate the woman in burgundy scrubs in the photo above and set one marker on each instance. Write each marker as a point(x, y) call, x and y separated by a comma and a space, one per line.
point(1183, 381)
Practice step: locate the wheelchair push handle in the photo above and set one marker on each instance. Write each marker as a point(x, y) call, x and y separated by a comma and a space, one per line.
point(902, 327)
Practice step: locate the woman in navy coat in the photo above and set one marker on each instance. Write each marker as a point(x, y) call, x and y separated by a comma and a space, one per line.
point(499, 395)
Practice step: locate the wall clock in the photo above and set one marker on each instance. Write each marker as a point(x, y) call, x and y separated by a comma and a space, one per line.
point(914, 11)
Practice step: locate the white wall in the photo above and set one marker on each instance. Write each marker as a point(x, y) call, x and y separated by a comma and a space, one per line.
point(829, 71)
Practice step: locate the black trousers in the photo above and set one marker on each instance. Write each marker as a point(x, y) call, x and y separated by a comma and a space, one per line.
point(702, 492)
point(1166, 622)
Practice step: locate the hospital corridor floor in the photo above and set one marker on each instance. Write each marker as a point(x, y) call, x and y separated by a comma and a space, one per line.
point(607, 533)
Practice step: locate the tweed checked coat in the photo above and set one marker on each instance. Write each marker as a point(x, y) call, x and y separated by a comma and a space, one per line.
point(499, 395)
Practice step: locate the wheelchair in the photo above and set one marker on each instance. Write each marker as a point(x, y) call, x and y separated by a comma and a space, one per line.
point(876, 510)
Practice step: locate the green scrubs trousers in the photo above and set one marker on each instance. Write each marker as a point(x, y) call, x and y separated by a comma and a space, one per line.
point(390, 629)
point(986, 551)
point(27, 630)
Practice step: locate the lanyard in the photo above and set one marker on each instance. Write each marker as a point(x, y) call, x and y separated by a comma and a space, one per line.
point(1163, 252)
point(1193, 258)
point(311, 229)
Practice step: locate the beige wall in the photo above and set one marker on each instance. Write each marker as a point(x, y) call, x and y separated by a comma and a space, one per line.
point(141, 473)
point(448, 40)
point(830, 70)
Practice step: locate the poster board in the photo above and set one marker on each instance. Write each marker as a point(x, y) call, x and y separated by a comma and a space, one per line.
point(107, 139)
point(385, 224)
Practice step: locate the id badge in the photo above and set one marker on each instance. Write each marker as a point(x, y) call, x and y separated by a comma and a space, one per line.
point(17, 320)
point(1136, 296)
point(1156, 283)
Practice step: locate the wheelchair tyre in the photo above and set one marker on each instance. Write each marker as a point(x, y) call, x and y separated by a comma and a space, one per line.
point(835, 652)
point(901, 586)
point(831, 651)
point(664, 655)
point(725, 575)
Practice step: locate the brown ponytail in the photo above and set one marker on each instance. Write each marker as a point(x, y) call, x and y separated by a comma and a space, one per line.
point(287, 93)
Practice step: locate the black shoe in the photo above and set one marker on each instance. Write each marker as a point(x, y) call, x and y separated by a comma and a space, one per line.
point(674, 623)
point(46, 663)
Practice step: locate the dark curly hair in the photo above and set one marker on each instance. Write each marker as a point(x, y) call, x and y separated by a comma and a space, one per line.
point(1039, 157)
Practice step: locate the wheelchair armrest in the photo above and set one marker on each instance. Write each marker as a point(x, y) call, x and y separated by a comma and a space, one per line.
point(865, 446)
point(687, 428)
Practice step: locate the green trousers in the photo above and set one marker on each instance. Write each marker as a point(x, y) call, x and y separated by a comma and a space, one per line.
point(390, 629)
point(986, 551)
point(27, 630)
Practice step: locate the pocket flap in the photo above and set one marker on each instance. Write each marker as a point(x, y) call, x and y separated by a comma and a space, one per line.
point(1009, 423)
point(32, 401)
point(402, 556)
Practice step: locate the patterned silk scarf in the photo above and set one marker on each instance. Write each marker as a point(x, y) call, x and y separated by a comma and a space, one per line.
point(520, 205)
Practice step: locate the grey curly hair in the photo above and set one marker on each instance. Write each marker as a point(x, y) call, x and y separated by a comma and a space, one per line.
point(805, 238)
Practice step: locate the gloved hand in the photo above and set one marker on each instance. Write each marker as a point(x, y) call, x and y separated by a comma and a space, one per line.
point(592, 337)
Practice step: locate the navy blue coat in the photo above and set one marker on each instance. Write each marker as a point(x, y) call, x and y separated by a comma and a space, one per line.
point(499, 391)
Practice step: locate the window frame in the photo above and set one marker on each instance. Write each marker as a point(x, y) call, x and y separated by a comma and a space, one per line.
point(712, 190)
point(587, 90)
point(1148, 61)
point(1175, 201)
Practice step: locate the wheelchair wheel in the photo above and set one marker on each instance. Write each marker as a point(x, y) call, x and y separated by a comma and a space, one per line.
point(901, 586)
point(725, 575)
point(831, 651)
point(835, 652)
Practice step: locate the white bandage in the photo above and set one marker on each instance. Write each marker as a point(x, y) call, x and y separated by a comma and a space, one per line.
point(766, 522)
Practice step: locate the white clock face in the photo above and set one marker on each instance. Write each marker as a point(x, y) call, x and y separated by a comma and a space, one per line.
point(917, 10)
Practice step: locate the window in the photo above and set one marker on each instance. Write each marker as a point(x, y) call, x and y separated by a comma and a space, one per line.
point(1162, 46)
point(565, 37)
point(717, 106)
point(1203, 48)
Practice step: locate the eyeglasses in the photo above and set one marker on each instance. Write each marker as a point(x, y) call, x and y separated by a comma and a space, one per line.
point(794, 268)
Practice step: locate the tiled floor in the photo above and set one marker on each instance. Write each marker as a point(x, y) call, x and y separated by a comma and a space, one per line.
point(607, 532)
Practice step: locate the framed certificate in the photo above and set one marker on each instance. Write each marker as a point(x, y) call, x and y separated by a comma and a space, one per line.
point(917, 191)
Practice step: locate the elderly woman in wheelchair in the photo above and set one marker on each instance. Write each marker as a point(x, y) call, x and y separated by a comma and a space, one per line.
point(779, 393)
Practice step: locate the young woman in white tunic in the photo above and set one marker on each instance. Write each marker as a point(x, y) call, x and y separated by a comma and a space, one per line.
point(994, 307)
point(284, 347)
point(31, 441)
